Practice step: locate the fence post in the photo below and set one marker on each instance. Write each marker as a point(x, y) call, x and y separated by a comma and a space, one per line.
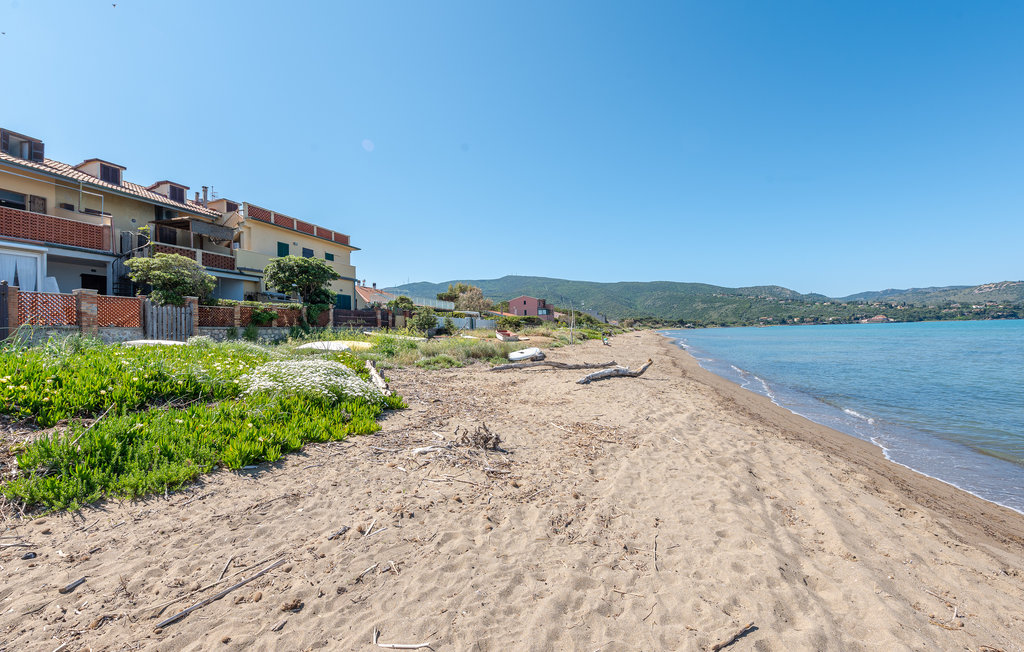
point(378, 317)
point(192, 305)
point(236, 319)
point(85, 311)
point(13, 318)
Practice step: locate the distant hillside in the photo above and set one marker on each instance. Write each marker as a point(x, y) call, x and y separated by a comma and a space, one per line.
point(1011, 291)
point(659, 299)
point(701, 303)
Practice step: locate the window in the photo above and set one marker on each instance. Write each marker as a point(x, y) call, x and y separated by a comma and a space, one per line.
point(232, 207)
point(307, 253)
point(37, 204)
point(68, 207)
point(328, 256)
point(177, 194)
point(21, 146)
point(110, 174)
point(13, 200)
point(282, 249)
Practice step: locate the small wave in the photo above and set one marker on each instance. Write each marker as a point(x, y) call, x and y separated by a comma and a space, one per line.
point(854, 413)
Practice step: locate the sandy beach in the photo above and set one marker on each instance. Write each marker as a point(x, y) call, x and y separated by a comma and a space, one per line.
point(665, 512)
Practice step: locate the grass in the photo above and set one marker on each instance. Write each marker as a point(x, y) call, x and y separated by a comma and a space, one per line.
point(174, 413)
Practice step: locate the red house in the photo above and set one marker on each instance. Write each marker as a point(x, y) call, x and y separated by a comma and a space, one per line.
point(531, 306)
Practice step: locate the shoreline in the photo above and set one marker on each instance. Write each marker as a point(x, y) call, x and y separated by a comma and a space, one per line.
point(996, 522)
point(967, 450)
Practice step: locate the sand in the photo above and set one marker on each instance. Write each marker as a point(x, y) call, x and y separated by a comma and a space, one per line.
point(663, 512)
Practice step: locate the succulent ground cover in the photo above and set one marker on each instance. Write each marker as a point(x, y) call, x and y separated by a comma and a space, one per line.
point(161, 416)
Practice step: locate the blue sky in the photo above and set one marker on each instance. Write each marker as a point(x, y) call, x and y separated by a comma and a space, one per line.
point(823, 146)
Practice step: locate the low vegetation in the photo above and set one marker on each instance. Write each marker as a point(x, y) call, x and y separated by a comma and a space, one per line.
point(161, 416)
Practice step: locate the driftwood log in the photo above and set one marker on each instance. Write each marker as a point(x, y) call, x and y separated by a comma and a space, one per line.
point(377, 379)
point(615, 372)
point(554, 365)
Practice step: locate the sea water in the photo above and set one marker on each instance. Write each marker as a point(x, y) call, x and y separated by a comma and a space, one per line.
point(943, 398)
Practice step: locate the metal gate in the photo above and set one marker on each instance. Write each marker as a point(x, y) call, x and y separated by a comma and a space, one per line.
point(167, 322)
point(4, 317)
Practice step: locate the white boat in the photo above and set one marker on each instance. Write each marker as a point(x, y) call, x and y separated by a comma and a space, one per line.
point(532, 353)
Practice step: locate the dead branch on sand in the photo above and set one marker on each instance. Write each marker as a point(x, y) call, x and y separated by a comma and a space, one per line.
point(554, 365)
point(615, 372)
point(218, 596)
point(377, 379)
point(732, 639)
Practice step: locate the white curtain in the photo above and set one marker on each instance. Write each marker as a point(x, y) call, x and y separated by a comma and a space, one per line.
point(7, 267)
point(19, 270)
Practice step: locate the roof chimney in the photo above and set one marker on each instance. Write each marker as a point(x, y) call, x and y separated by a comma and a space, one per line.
point(204, 195)
point(374, 286)
point(197, 196)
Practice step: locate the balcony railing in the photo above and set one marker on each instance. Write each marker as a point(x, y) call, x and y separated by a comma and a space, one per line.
point(270, 217)
point(26, 225)
point(209, 258)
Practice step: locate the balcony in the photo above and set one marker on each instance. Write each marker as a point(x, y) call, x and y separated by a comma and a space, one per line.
point(25, 225)
point(205, 258)
point(267, 216)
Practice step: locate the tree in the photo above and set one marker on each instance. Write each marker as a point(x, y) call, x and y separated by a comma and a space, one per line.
point(472, 299)
point(401, 304)
point(453, 291)
point(423, 320)
point(308, 277)
point(173, 278)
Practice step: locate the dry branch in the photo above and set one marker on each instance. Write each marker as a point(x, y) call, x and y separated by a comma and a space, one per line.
point(218, 596)
point(109, 408)
point(732, 639)
point(554, 365)
point(377, 379)
point(615, 372)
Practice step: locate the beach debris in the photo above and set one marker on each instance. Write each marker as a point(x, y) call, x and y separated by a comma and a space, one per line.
point(230, 559)
point(213, 598)
point(360, 577)
point(377, 379)
point(396, 646)
point(554, 365)
point(97, 420)
point(615, 372)
point(335, 535)
point(71, 587)
point(369, 529)
point(732, 639)
point(29, 555)
point(278, 627)
point(482, 438)
point(295, 605)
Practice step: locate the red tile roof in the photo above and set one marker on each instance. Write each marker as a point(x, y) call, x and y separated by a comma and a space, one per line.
point(128, 188)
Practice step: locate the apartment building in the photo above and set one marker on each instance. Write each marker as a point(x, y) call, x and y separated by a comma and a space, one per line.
point(261, 234)
point(64, 227)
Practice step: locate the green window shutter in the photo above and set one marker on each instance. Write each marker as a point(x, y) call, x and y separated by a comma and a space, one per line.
point(282, 249)
point(328, 256)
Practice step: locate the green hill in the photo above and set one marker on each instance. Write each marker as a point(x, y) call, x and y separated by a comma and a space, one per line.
point(701, 303)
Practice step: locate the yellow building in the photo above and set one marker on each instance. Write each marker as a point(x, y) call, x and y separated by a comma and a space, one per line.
point(262, 234)
point(64, 227)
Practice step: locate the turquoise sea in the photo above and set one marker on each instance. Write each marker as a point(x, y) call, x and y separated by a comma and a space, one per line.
point(943, 398)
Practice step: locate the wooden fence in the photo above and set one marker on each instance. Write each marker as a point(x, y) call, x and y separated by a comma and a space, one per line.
point(167, 322)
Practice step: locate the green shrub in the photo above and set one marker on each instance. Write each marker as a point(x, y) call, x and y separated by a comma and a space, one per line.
point(509, 323)
point(173, 278)
point(262, 316)
point(251, 332)
point(424, 320)
point(231, 333)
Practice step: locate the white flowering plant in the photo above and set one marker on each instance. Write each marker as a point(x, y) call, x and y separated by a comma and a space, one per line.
point(312, 378)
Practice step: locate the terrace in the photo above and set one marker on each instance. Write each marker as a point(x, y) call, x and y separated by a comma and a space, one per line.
point(39, 227)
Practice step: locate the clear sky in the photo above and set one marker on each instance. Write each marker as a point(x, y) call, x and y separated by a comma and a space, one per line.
point(829, 147)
